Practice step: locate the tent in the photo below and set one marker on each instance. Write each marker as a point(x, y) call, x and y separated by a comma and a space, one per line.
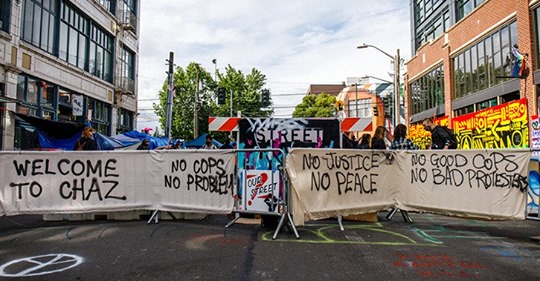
point(154, 143)
point(200, 141)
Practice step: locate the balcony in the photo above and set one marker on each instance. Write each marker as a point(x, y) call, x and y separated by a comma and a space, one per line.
point(125, 85)
point(128, 20)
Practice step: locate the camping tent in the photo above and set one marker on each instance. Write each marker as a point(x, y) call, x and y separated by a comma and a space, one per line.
point(200, 141)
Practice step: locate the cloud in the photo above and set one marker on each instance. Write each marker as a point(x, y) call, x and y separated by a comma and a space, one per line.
point(294, 43)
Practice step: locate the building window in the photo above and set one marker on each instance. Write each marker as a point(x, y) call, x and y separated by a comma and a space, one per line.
point(434, 29)
point(109, 5)
point(465, 7)
point(486, 63)
point(5, 12)
point(127, 63)
point(39, 23)
point(76, 39)
point(125, 121)
point(365, 108)
point(352, 108)
point(427, 91)
point(101, 116)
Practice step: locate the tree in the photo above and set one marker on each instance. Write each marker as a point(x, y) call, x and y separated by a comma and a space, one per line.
point(246, 91)
point(186, 82)
point(321, 105)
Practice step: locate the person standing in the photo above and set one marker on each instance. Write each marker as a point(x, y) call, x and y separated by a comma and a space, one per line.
point(377, 142)
point(208, 144)
point(401, 142)
point(364, 142)
point(441, 138)
point(86, 142)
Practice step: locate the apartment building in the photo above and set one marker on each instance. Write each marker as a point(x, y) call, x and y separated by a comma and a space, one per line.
point(463, 56)
point(67, 61)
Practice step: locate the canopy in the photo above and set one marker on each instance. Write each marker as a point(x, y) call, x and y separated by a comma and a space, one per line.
point(200, 141)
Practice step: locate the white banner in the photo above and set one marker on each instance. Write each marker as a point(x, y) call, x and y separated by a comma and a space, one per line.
point(75, 182)
point(489, 184)
point(261, 192)
point(330, 182)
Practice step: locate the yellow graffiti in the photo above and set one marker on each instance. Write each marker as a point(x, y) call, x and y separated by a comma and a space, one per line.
point(503, 126)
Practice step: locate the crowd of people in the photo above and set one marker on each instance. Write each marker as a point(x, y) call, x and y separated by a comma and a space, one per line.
point(441, 138)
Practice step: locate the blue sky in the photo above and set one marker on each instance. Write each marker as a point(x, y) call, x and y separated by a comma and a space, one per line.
point(294, 43)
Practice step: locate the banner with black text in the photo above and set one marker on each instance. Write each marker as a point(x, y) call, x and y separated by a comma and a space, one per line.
point(331, 182)
point(489, 184)
point(77, 182)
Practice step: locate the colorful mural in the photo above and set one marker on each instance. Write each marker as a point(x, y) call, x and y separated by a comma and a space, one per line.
point(421, 137)
point(499, 127)
point(502, 126)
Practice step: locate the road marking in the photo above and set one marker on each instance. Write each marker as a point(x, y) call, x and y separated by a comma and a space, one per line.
point(40, 265)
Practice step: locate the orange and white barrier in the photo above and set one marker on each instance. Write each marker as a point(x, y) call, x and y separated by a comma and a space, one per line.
point(223, 124)
point(356, 124)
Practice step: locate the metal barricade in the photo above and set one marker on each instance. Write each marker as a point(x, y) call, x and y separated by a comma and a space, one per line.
point(262, 188)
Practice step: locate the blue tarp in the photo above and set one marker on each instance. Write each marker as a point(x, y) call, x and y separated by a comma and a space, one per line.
point(46, 141)
point(155, 142)
point(200, 141)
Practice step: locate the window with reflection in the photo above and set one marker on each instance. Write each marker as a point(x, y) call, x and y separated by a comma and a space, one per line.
point(427, 91)
point(101, 115)
point(39, 23)
point(60, 29)
point(485, 63)
point(465, 7)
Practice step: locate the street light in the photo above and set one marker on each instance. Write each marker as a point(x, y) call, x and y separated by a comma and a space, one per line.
point(396, 60)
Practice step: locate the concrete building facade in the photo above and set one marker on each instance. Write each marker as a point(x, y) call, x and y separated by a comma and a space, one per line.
point(463, 56)
point(67, 61)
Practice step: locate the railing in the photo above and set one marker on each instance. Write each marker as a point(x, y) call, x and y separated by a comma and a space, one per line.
point(125, 85)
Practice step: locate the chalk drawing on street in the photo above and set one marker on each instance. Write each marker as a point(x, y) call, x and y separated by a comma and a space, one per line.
point(367, 234)
point(39, 265)
point(436, 233)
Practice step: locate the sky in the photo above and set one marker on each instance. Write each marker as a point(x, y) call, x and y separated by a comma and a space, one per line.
point(294, 43)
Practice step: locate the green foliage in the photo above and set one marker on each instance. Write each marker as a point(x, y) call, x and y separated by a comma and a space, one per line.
point(246, 91)
point(321, 105)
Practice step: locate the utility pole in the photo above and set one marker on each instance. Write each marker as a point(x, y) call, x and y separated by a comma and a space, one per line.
point(196, 111)
point(168, 108)
point(397, 100)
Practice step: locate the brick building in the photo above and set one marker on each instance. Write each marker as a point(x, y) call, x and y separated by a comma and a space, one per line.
point(462, 56)
point(67, 61)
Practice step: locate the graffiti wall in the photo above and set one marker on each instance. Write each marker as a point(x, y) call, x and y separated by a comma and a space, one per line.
point(499, 127)
point(533, 193)
point(421, 137)
point(285, 133)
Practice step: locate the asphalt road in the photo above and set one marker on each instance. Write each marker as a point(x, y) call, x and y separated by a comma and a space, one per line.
point(431, 248)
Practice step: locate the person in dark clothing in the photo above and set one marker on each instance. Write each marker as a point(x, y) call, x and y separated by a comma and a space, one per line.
point(440, 138)
point(364, 142)
point(145, 145)
point(377, 142)
point(86, 142)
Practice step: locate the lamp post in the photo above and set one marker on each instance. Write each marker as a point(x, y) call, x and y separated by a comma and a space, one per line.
point(396, 60)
